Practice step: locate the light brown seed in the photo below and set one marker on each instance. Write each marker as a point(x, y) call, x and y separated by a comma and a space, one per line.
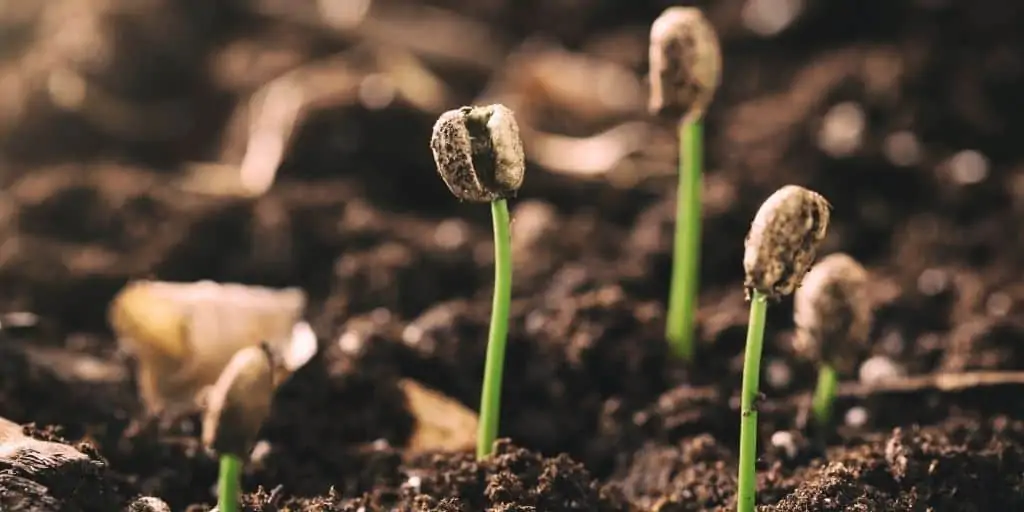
point(239, 402)
point(685, 63)
point(783, 241)
point(832, 312)
point(479, 153)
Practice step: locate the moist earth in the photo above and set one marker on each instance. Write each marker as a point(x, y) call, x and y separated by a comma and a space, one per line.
point(596, 414)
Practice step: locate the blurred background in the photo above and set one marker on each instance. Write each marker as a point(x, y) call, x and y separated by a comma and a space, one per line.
point(140, 137)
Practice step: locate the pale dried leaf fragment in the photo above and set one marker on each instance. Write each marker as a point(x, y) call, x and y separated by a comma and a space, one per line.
point(479, 153)
point(783, 240)
point(832, 311)
point(183, 334)
point(685, 63)
point(442, 423)
point(239, 402)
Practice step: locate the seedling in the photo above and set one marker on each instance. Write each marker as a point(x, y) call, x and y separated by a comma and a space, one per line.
point(832, 314)
point(780, 247)
point(237, 405)
point(685, 70)
point(479, 155)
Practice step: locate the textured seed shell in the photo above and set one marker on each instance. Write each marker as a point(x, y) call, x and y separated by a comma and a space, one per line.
point(183, 334)
point(239, 402)
point(832, 311)
point(685, 63)
point(783, 240)
point(479, 153)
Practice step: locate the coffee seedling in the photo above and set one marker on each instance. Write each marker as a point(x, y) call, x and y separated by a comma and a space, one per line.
point(479, 155)
point(780, 247)
point(832, 315)
point(237, 405)
point(685, 70)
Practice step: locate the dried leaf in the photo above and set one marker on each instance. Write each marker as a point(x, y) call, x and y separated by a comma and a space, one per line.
point(442, 423)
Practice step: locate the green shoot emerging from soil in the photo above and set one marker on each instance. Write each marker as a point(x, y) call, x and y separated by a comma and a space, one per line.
point(479, 155)
point(780, 247)
point(832, 314)
point(685, 70)
point(237, 405)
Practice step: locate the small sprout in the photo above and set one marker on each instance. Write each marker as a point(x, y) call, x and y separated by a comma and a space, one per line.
point(780, 247)
point(685, 63)
point(783, 241)
point(237, 405)
point(182, 334)
point(478, 152)
point(479, 155)
point(685, 70)
point(832, 313)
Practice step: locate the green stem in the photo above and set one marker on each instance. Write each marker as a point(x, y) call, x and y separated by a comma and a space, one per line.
point(679, 328)
point(825, 394)
point(747, 486)
point(229, 483)
point(490, 397)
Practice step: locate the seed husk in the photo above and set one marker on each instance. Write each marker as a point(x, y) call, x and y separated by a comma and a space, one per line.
point(479, 153)
point(783, 241)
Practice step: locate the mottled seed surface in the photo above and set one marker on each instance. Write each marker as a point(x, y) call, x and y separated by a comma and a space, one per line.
point(783, 240)
point(239, 402)
point(479, 153)
point(832, 312)
point(685, 63)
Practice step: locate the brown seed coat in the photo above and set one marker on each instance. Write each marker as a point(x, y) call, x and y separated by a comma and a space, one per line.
point(685, 63)
point(783, 241)
point(239, 402)
point(479, 153)
point(832, 312)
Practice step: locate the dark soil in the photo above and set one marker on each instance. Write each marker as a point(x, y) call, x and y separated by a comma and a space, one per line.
point(598, 415)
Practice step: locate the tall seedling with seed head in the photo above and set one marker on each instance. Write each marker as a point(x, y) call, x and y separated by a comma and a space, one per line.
point(780, 247)
point(685, 70)
point(479, 155)
point(237, 405)
point(832, 314)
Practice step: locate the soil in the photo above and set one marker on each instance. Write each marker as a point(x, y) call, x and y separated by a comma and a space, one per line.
point(597, 414)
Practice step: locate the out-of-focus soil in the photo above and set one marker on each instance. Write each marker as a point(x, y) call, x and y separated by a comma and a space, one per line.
point(904, 114)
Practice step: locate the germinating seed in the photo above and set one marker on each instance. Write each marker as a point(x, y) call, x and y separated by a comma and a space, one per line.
point(685, 63)
point(239, 402)
point(783, 240)
point(479, 153)
point(832, 311)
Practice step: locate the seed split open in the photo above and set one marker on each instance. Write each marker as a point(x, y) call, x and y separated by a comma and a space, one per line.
point(479, 153)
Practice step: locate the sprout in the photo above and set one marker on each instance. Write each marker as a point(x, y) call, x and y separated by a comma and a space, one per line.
point(685, 70)
point(237, 405)
point(479, 155)
point(685, 63)
point(832, 314)
point(782, 241)
point(780, 247)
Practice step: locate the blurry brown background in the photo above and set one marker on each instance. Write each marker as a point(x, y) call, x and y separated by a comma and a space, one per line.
point(123, 122)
